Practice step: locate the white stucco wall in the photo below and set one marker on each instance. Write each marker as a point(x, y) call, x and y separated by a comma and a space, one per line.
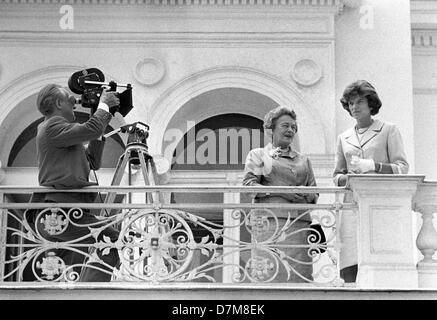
point(381, 55)
point(259, 50)
point(345, 53)
point(425, 112)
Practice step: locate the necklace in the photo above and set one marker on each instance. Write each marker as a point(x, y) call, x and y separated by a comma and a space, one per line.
point(363, 130)
point(358, 130)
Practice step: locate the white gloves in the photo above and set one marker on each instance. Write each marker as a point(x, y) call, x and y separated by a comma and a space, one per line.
point(359, 165)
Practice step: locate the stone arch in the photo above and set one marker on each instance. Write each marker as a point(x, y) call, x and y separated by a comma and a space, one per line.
point(16, 96)
point(311, 129)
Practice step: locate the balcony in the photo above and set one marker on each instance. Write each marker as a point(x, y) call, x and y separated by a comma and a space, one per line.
point(252, 250)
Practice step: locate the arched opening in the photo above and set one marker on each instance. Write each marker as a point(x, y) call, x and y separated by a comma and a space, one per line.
point(219, 142)
point(232, 89)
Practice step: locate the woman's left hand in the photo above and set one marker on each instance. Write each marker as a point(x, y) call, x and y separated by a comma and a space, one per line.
point(359, 165)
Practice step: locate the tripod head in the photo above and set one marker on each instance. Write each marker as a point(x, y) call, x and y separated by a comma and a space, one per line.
point(138, 132)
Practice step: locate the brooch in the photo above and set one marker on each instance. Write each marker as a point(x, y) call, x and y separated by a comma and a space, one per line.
point(274, 153)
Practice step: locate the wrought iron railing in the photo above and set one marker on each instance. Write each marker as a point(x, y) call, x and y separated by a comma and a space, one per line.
point(172, 242)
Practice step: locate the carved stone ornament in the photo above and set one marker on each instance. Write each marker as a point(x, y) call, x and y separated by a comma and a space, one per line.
point(298, 3)
point(149, 71)
point(306, 72)
point(352, 3)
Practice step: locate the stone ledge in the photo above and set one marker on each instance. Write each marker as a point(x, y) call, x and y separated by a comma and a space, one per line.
point(323, 3)
point(189, 291)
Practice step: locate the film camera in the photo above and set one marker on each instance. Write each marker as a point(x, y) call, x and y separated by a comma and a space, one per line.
point(89, 82)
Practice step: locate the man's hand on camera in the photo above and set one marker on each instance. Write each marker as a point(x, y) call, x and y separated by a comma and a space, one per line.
point(109, 98)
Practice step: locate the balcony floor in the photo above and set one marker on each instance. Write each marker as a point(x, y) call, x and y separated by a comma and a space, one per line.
point(190, 291)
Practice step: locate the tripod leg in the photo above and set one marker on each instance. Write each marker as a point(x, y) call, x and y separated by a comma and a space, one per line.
point(152, 177)
point(144, 169)
point(121, 165)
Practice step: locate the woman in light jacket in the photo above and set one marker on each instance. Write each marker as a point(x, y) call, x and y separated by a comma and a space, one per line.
point(370, 146)
point(277, 164)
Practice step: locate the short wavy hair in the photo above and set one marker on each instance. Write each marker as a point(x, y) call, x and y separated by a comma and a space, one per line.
point(271, 116)
point(47, 97)
point(361, 88)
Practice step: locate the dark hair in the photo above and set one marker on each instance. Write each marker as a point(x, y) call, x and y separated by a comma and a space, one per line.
point(271, 116)
point(47, 97)
point(361, 88)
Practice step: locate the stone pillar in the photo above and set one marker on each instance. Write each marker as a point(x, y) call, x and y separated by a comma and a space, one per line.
point(231, 222)
point(425, 202)
point(385, 230)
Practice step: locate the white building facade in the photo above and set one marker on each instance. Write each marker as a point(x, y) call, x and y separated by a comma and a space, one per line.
point(226, 62)
point(296, 53)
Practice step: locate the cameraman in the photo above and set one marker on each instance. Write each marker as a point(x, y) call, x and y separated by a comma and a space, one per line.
point(64, 163)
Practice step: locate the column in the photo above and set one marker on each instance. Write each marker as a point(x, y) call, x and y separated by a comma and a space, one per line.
point(425, 202)
point(231, 222)
point(385, 230)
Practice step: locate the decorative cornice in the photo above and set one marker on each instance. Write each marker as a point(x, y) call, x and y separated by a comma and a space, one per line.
point(424, 91)
point(423, 14)
point(324, 3)
point(176, 19)
point(424, 42)
point(125, 39)
point(424, 38)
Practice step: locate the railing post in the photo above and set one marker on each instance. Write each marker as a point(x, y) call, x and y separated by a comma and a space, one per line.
point(3, 224)
point(231, 221)
point(425, 202)
point(385, 230)
point(134, 178)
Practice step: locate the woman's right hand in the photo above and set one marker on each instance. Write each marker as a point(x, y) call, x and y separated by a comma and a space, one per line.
point(342, 181)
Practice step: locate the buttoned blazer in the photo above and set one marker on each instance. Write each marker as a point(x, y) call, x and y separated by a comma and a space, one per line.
point(382, 142)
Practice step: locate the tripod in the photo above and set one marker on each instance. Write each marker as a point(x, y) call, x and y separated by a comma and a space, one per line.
point(136, 154)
